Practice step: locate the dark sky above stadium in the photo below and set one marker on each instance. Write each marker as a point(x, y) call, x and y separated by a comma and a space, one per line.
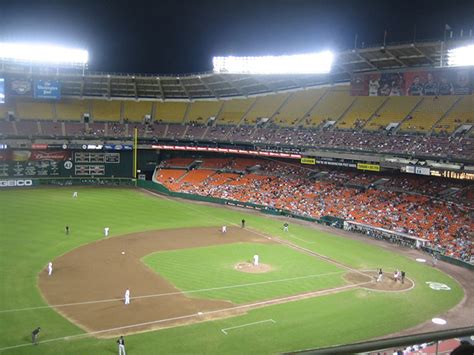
point(181, 36)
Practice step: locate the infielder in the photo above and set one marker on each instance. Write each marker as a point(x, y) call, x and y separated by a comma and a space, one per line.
point(74, 195)
point(106, 231)
point(285, 227)
point(127, 297)
point(380, 275)
point(255, 260)
point(50, 268)
point(121, 345)
point(224, 229)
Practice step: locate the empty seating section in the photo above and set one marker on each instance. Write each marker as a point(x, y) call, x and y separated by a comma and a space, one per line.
point(168, 177)
point(264, 107)
point(200, 111)
point(172, 112)
point(222, 178)
point(106, 110)
point(34, 110)
point(74, 129)
point(196, 176)
point(215, 163)
point(5, 108)
point(233, 111)
point(69, 110)
point(395, 109)
point(362, 109)
point(427, 113)
point(461, 113)
point(297, 106)
point(6, 128)
point(178, 162)
point(27, 128)
point(331, 107)
point(136, 111)
point(50, 128)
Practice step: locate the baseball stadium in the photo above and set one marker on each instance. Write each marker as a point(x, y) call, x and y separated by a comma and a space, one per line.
point(248, 209)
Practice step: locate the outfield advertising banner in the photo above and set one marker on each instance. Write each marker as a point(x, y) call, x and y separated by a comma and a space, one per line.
point(16, 183)
point(369, 167)
point(310, 161)
point(438, 82)
point(48, 89)
point(35, 155)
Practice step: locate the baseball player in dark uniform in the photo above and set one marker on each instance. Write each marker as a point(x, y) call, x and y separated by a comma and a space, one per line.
point(34, 335)
point(121, 345)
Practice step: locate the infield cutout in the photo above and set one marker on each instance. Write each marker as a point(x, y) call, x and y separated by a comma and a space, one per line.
point(250, 268)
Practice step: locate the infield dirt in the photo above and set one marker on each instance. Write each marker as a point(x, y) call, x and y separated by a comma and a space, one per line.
point(100, 272)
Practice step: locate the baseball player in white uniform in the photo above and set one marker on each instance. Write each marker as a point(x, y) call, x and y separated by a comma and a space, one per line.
point(106, 231)
point(74, 195)
point(224, 229)
point(127, 296)
point(255, 260)
point(379, 275)
point(50, 268)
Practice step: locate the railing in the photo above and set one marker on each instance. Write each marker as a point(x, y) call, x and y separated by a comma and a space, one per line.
point(395, 342)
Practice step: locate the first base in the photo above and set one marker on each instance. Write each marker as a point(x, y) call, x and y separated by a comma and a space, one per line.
point(123, 253)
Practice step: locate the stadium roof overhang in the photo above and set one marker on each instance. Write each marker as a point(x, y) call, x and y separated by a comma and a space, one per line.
point(75, 83)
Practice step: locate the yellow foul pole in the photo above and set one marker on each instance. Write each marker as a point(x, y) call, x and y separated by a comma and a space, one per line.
point(135, 148)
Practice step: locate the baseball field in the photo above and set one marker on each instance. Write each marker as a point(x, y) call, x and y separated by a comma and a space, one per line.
point(193, 289)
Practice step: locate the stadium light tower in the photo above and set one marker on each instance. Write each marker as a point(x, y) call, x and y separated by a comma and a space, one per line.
point(42, 54)
point(311, 63)
point(461, 56)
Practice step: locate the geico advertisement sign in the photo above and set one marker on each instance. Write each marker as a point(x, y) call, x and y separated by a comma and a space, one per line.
point(16, 183)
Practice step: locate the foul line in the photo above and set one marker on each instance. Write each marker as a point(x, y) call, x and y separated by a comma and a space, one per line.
point(172, 293)
point(224, 330)
point(304, 241)
point(200, 314)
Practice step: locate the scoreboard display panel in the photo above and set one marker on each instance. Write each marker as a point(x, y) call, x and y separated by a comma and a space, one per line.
point(97, 157)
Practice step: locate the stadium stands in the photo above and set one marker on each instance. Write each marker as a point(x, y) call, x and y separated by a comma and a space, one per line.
point(333, 105)
point(200, 111)
point(361, 111)
point(106, 110)
point(403, 204)
point(394, 110)
point(72, 109)
point(233, 111)
point(427, 113)
point(461, 113)
point(27, 128)
point(170, 112)
point(264, 107)
point(134, 111)
point(297, 106)
point(34, 110)
point(52, 129)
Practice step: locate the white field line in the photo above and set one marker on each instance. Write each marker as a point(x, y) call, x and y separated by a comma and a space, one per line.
point(224, 330)
point(200, 314)
point(304, 241)
point(174, 293)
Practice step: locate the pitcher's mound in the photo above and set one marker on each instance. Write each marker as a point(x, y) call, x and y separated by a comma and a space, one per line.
point(251, 268)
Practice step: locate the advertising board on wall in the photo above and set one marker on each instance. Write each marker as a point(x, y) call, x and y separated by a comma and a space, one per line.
point(2, 90)
point(437, 82)
point(47, 89)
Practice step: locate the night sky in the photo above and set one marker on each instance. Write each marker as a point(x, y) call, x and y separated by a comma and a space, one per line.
point(182, 36)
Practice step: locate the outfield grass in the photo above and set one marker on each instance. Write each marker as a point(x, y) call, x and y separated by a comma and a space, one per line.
point(32, 233)
point(213, 267)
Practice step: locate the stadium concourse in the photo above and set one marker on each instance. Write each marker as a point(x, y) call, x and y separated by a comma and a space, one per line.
point(412, 205)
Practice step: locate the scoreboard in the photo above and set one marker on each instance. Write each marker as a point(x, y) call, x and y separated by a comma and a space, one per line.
point(61, 163)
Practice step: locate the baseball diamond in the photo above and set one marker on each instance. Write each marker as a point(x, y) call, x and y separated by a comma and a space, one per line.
point(183, 277)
